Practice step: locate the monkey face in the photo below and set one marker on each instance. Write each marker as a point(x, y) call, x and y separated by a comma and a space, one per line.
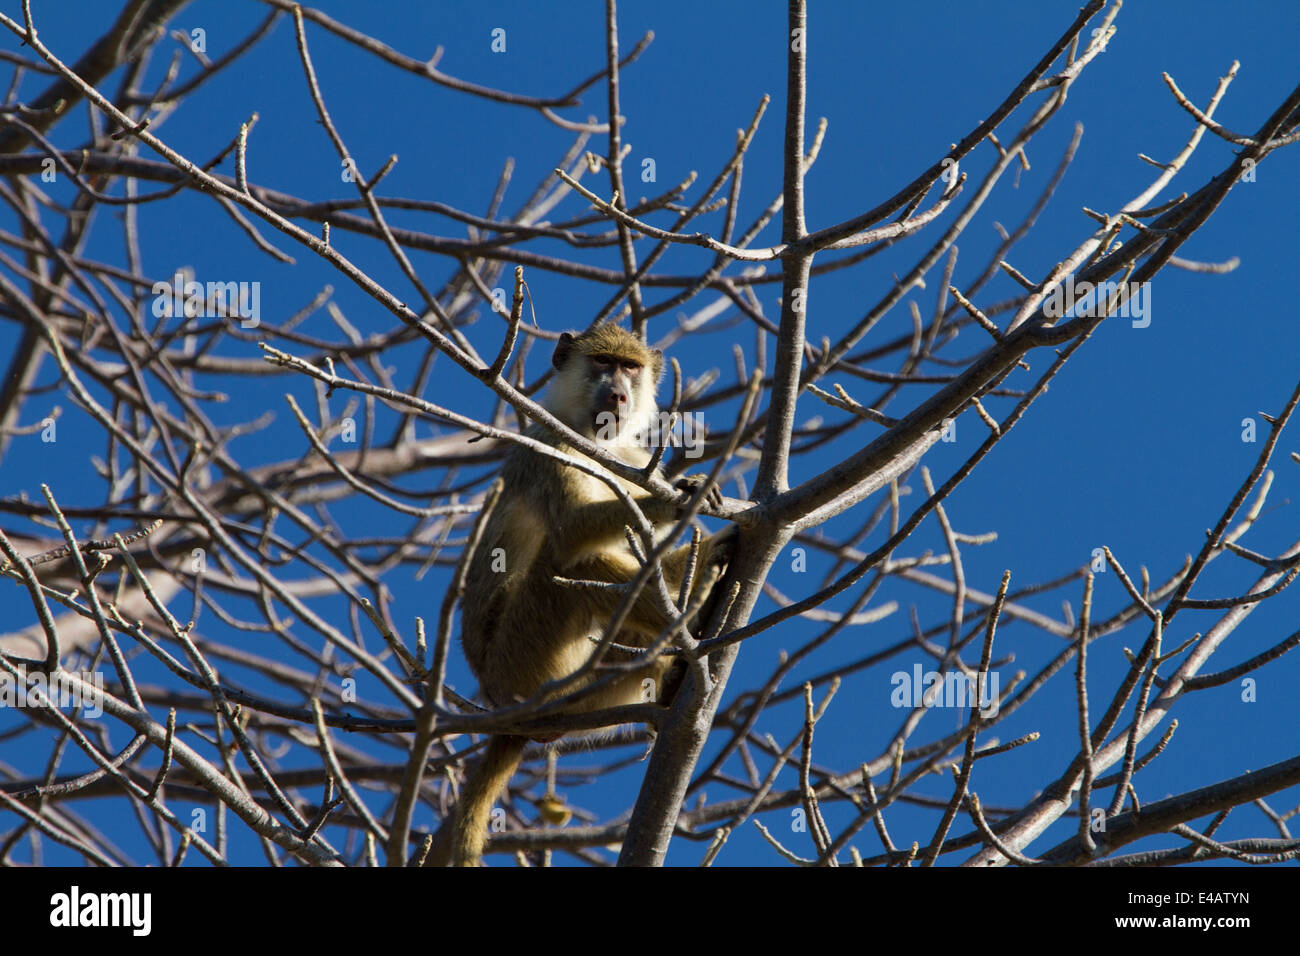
point(605, 384)
point(617, 384)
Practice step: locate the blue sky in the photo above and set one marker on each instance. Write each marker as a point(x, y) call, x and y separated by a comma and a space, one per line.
point(1137, 445)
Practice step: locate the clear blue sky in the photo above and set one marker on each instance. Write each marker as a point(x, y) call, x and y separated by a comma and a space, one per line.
point(1138, 443)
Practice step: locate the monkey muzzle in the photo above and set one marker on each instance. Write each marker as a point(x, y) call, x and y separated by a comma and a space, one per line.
point(612, 409)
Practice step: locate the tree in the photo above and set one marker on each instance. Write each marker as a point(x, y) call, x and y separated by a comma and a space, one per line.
point(244, 607)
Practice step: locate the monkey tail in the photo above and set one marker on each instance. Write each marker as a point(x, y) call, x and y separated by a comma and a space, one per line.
point(461, 842)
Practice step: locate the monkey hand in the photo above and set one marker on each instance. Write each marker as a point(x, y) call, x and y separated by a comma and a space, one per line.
point(691, 484)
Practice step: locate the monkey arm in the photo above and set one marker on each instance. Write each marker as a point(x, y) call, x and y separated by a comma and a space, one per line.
point(646, 615)
point(581, 513)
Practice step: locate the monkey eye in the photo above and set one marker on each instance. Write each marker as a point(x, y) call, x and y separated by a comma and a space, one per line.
point(608, 363)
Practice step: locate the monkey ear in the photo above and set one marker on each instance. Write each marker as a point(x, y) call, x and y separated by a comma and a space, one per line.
point(658, 359)
point(562, 348)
